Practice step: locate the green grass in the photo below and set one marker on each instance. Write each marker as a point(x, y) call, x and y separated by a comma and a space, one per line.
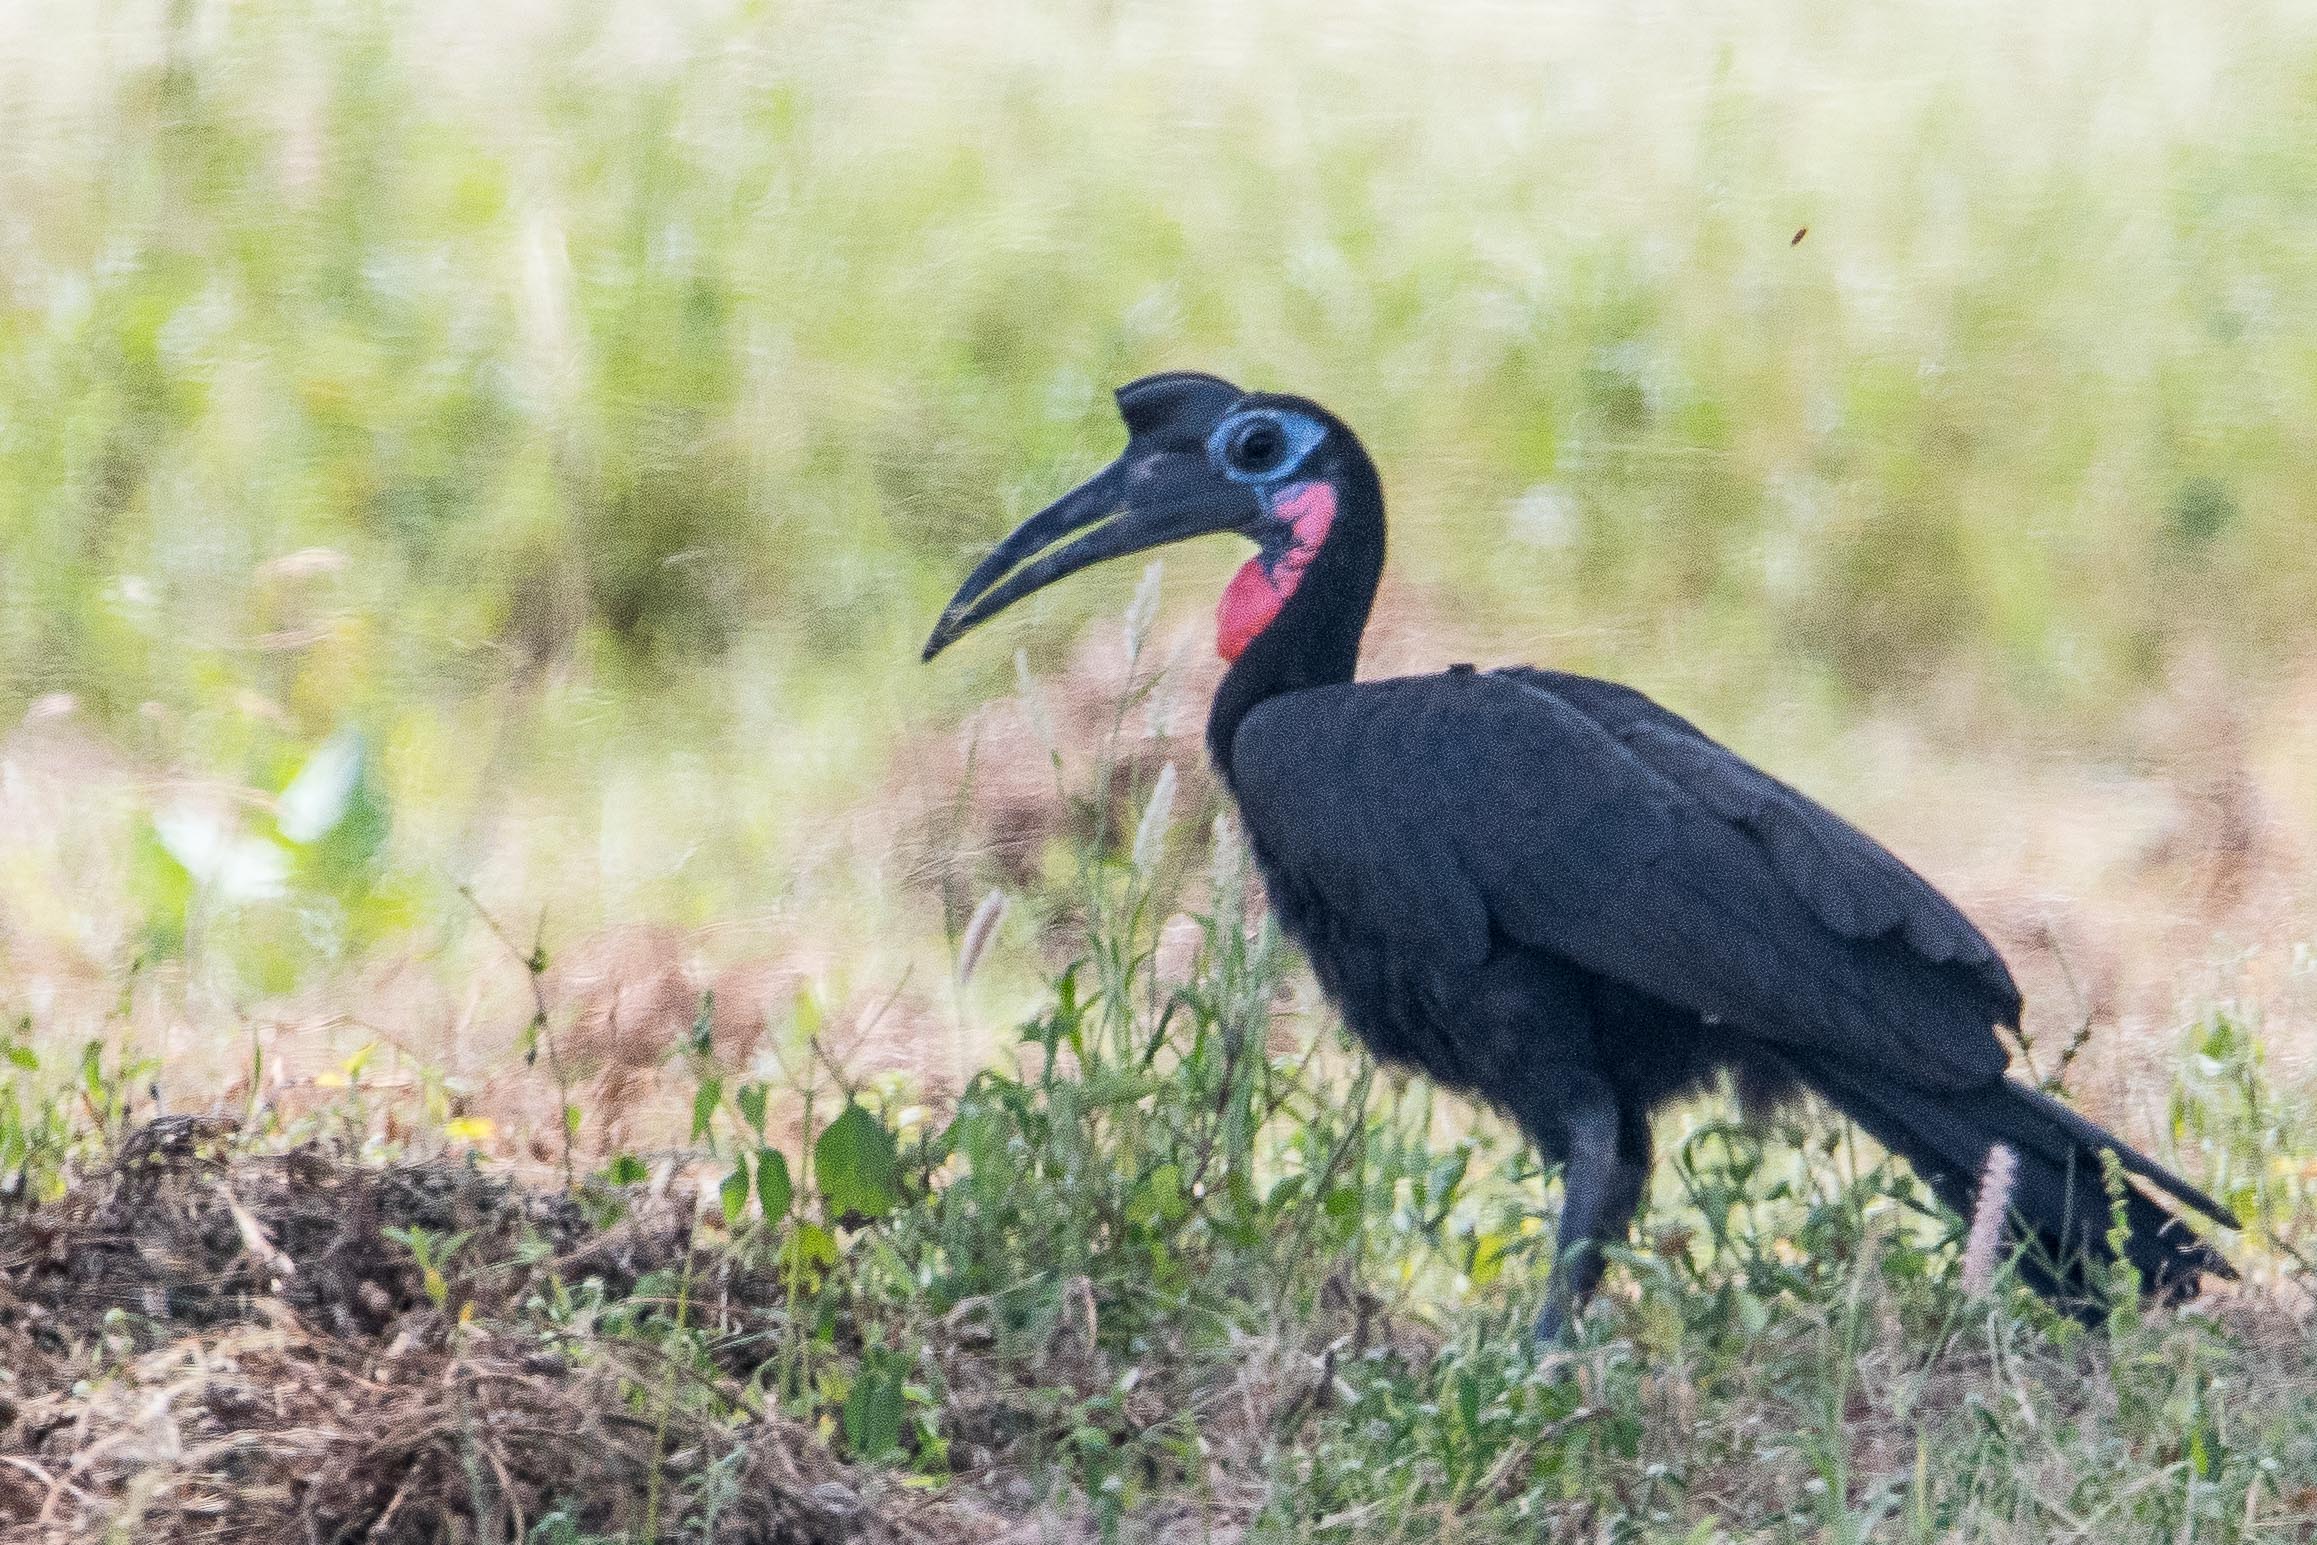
point(1164, 1271)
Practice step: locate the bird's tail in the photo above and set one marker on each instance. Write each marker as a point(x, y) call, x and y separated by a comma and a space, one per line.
point(2060, 1199)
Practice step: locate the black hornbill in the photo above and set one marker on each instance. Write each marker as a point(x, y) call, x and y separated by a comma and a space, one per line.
point(1550, 891)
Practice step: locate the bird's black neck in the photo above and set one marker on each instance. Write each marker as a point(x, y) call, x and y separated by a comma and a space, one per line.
point(1315, 639)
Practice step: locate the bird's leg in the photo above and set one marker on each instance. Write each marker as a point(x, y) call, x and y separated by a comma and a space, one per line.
point(1612, 1197)
point(1604, 1153)
point(1586, 1143)
point(1545, 1072)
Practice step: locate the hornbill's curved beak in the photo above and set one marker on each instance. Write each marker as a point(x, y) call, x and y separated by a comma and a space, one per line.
point(1163, 489)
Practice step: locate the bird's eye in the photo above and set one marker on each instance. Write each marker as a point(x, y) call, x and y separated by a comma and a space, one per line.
point(1263, 445)
point(1257, 445)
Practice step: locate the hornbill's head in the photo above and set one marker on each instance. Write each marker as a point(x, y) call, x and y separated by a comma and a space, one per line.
point(1201, 456)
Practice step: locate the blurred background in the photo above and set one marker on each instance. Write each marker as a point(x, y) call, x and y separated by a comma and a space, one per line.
point(517, 450)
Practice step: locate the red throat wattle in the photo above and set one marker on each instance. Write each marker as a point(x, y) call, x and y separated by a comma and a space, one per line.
point(1256, 592)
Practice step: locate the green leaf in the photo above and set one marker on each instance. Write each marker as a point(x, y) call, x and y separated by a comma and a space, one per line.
point(750, 1098)
point(809, 1247)
point(1488, 1256)
point(626, 1169)
point(873, 1411)
point(857, 1166)
point(1440, 1186)
point(773, 1187)
point(1160, 1198)
point(21, 1055)
point(162, 890)
point(705, 1099)
point(733, 1193)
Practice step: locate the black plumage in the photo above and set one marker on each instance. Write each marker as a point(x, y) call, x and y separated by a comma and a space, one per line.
point(1550, 891)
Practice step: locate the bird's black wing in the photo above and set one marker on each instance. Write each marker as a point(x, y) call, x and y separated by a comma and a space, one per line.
point(1439, 813)
point(1855, 885)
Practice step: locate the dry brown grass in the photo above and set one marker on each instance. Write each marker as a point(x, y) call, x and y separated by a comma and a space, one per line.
point(202, 1345)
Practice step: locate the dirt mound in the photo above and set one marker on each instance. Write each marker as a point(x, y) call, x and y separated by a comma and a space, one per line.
point(201, 1343)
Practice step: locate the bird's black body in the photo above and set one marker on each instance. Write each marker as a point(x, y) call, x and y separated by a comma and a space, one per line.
point(1549, 891)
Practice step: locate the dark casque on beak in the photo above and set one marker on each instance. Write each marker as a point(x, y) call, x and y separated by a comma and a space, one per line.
point(1161, 490)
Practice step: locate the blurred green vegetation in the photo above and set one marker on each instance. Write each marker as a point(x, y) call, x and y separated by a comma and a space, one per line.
point(645, 375)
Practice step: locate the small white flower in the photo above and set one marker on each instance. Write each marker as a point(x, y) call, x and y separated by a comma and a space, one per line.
point(219, 858)
point(318, 797)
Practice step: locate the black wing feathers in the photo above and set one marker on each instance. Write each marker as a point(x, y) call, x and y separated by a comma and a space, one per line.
point(1578, 817)
point(1857, 887)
